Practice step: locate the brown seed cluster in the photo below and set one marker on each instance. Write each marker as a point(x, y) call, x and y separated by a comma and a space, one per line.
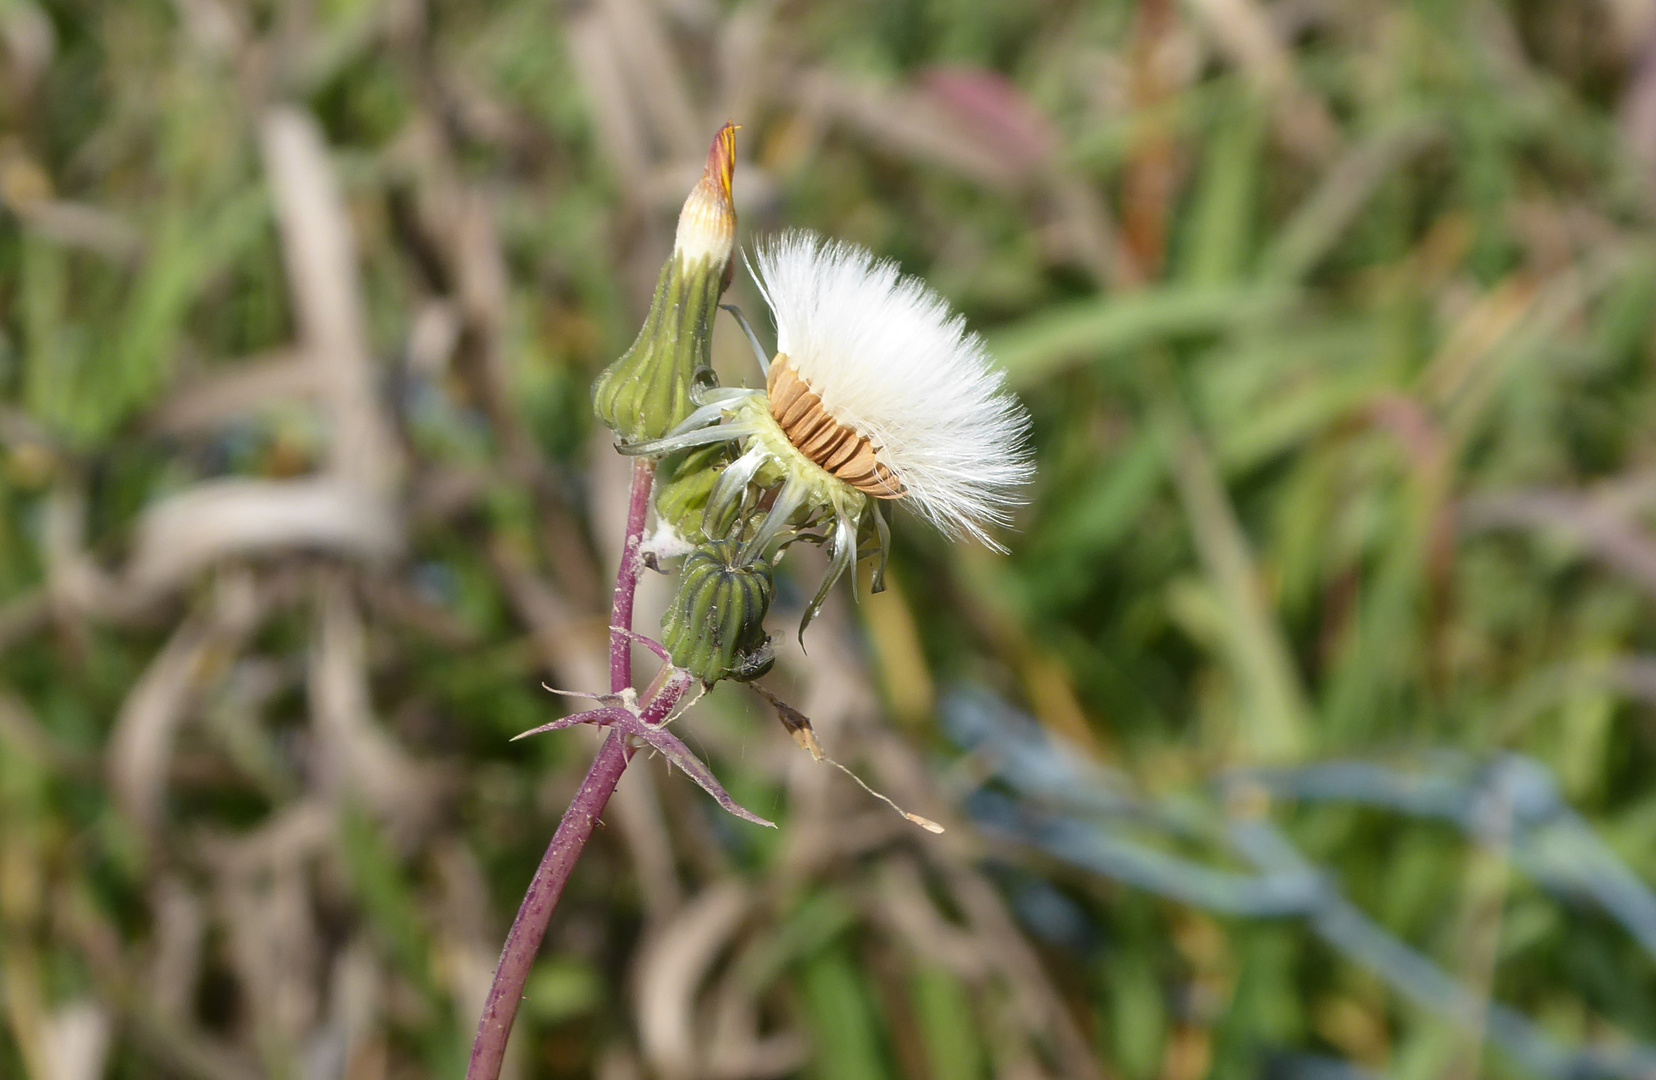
point(838, 449)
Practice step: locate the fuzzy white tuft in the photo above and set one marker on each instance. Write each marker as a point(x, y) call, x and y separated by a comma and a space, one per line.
point(892, 362)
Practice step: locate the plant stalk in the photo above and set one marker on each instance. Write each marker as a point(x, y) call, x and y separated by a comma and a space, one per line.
point(523, 941)
point(626, 576)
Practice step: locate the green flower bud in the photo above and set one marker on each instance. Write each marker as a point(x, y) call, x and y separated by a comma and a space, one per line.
point(647, 392)
point(683, 483)
point(715, 626)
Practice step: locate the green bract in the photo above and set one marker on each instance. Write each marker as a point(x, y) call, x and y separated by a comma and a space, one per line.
point(646, 393)
point(715, 626)
point(683, 483)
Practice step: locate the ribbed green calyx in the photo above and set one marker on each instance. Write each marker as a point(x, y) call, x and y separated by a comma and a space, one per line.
point(646, 393)
point(683, 483)
point(715, 626)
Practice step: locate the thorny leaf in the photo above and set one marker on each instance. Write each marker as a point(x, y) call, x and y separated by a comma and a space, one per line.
point(663, 742)
point(673, 749)
point(615, 714)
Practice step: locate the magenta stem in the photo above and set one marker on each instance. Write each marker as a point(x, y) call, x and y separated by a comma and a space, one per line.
point(523, 941)
point(626, 577)
point(529, 928)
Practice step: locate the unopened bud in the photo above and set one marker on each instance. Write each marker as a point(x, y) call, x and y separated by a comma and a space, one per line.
point(707, 223)
point(683, 483)
point(645, 393)
point(715, 626)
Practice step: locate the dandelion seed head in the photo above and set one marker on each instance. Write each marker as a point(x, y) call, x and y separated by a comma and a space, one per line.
point(890, 361)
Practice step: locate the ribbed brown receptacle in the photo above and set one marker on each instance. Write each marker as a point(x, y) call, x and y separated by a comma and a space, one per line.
point(826, 441)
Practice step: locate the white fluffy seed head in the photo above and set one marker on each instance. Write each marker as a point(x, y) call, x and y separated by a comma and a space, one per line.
point(891, 361)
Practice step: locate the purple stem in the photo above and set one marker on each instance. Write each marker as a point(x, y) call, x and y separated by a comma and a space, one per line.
point(626, 577)
point(523, 941)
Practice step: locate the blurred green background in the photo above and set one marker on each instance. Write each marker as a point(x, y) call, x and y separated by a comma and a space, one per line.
point(1313, 708)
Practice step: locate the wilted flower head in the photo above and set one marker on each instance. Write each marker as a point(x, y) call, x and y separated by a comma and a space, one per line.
point(877, 391)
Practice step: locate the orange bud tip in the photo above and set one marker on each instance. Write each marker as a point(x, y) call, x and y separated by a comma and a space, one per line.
point(721, 158)
point(707, 224)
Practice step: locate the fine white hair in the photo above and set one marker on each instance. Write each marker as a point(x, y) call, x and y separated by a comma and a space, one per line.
point(891, 361)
